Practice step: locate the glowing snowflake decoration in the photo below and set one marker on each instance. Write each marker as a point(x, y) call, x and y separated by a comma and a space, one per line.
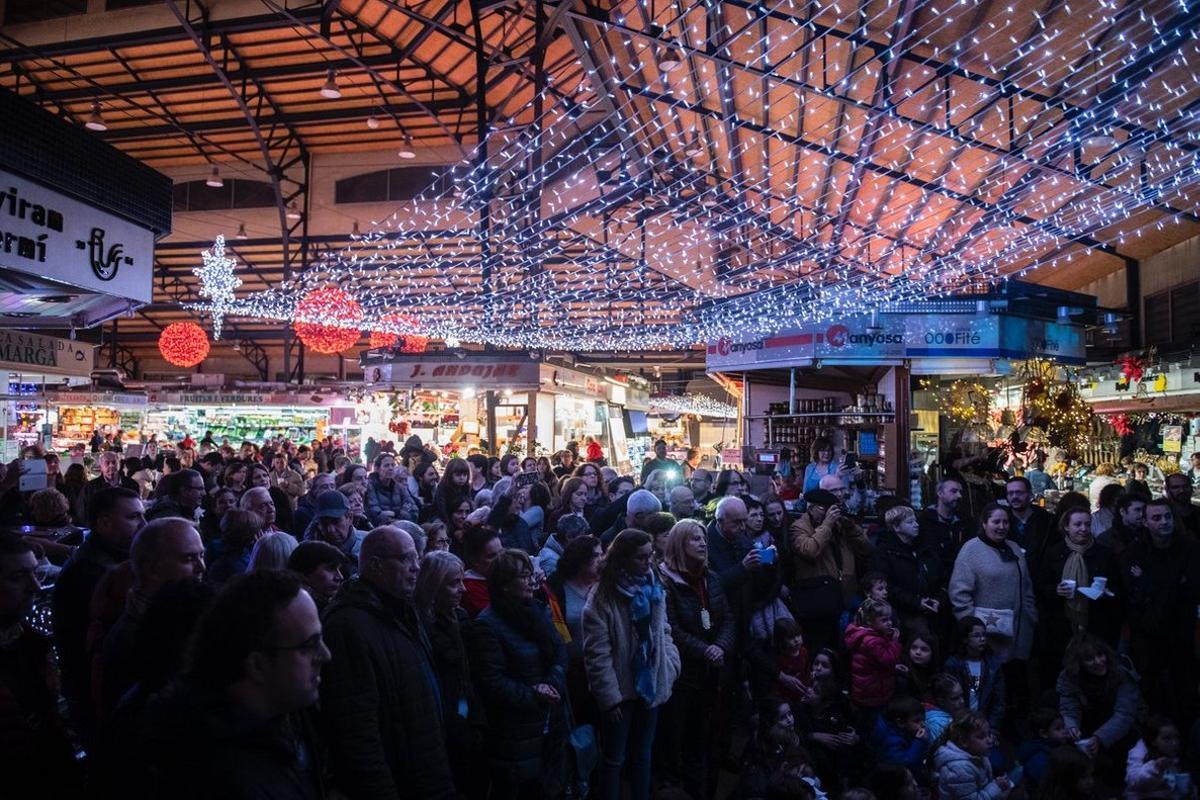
point(217, 282)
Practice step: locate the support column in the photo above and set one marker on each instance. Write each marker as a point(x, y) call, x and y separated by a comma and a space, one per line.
point(490, 402)
point(1133, 301)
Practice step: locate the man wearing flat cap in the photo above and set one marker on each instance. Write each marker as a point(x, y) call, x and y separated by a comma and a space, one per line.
point(825, 543)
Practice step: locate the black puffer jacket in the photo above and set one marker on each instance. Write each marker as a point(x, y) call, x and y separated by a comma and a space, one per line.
point(524, 734)
point(380, 700)
point(688, 631)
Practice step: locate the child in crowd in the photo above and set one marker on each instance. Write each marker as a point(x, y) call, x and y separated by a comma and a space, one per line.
point(978, 670)
point(871, 586)
point(920, 663)
point(1153, 769)
point(963, 769)
point(1070, 776)
point(873, 642)
point(1034, 754)
point(899, 736)
point(791, 660)
point(944, 704)
point(826, 720)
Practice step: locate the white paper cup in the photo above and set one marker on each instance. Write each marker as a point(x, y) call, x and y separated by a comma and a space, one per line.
point(1100, 584)
point(1070, 585)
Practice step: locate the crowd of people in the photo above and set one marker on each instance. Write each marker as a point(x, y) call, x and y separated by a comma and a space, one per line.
point(282, 621)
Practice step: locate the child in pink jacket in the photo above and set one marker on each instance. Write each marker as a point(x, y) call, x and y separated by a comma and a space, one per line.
point(873, 641)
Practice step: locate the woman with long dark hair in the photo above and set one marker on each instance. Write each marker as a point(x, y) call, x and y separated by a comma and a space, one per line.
point(452, 489)
point(597, 490)
point(519, 663)
point(631, 660)
point(572, 500)
point(1098, 700)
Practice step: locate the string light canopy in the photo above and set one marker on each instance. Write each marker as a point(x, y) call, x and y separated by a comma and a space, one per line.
point(813, 160)
point(184, 344)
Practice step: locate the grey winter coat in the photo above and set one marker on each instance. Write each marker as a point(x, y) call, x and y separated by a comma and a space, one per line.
point(982, 579)
point(609, 643)
point(962, 776)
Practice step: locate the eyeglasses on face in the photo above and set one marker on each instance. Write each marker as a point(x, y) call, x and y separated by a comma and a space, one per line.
point(309, 647)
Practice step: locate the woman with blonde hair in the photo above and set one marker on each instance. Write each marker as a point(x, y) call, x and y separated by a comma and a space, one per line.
point(704, 629)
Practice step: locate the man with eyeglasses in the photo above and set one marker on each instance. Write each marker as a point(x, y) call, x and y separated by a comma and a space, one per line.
point(166, 550)
point(380, 698)
point(701, 484)
point(183, 498)
point(239, 724)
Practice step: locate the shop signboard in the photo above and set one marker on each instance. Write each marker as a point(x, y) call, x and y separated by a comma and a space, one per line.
point(285, 399)
point(51, 235)
point(895, 336)
point(33, 352)
point(109, 399)
point(455, 373)
point(562, 379)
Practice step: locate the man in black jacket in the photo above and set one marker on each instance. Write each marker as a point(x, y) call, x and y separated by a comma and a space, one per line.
point(110, 478)
point(1163, 579)
point(117, 515)
point(379, 696)
point(237, 726)
point(941, 526)
point(1029, 526)
point(1128, 524)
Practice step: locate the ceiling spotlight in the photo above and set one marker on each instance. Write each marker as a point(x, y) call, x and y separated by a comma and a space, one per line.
point(241, 232)
point(670, 59)
point(292, 211)
point(330, 90)
point(693, 148)
point(355, 233)
point(406, 151)
point(95, 121)
point(214, 180)
point(1100, 141)
point(373, 122)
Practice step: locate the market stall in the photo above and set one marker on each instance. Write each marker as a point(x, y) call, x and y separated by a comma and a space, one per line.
point(239, 416)
point(848, 380)
point(451, 402)
point(75, 415)
point(30, 365)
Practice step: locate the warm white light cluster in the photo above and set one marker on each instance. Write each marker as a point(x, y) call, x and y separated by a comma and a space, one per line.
point(626, 219)
point(217, 282)
point(700, 404)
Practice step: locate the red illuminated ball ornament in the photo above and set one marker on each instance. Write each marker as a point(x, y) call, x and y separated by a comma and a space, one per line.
point(344, 318)
point(184, 344)
point(405, 343)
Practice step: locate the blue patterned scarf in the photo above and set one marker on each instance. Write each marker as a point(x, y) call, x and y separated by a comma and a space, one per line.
point(644, 594)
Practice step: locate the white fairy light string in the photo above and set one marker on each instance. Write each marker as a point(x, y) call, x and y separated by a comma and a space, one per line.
point(699, 404)
point(602, 265)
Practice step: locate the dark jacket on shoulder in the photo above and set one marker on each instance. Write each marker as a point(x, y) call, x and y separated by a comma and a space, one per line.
point(912, 570)
point(687, 629)
point(204, 746)
point(380, 702)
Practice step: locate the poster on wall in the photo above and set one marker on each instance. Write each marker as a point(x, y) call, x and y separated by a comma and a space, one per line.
point(1172, 438)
